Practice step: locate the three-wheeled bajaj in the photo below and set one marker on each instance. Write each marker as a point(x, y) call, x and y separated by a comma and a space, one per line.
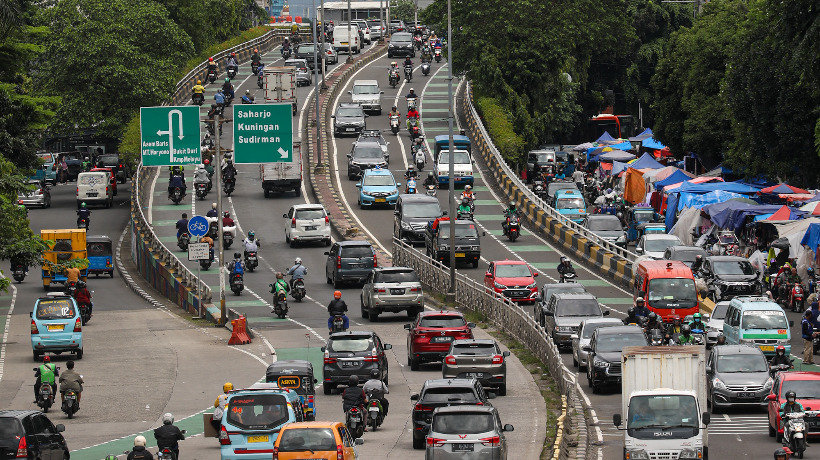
point(297, 375)
point(100, 256)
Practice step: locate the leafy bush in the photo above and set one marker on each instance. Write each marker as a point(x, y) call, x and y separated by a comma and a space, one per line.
point(500, 127)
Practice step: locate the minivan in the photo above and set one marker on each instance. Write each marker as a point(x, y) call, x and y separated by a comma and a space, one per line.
point(412, 214)
point(668, 287)
point(94, 188)
point(30, 434)
point(349, 261)
point(56, 326)
point(757, 321)
point(342, 42)
point(353, 353)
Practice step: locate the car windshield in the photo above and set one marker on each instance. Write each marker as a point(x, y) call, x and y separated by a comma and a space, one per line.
point(46, 157)
point(660, 244)
point(365, 89)
point(608, 343)
point(672, 293)
point(445, 395)
point(742, 363)
point(460, 157)
point(307, 439)
point(512, 271)
point(644, 216)
point(687, 256)
point(462, 230)
point(548, 293)
point(378, 180)
point(605, 224)
point(590, 328)
point(257, 411)
point(463, 423)
point(397, 38)
point(109, 160)
point(425, 210)
point(733, 267)
point(350, 344)
point(578, 307)
point(720, 311)
point(804, 389)
point(662, 412)
point(442, 321)
point(474, 349)
point(306, 48)
point(569, 203)
point(763, 319)
point(10, 429)
point(309, 214)
point(408, 276)
point(297, 64)
point(368, 151)
point(55, 309)
point(354, 252)
point(349, 112)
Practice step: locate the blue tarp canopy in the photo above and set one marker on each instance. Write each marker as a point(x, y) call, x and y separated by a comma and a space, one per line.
point(594, 153)
point(617, 167)
point(605, 137)
point(647, 133)
point(675, 178)
point(812, 237)
point(646, 161)
point(734, 217)
point(734, 187)
point(617, 155)
point(651, 143)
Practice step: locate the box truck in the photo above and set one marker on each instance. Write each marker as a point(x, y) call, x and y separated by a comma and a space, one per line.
point(283, 176)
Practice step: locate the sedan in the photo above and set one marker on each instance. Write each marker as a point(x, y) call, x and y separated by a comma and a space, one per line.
point(479, 359)
point(348, 119)
point(378, 187)
point(391, 289)
point(303, 74)
point(40, 195)
point(467, 432)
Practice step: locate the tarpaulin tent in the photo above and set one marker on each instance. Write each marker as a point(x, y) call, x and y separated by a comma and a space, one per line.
point(783, 189)
point(816, 198)
point(812, 237)
point(605, 137)
point(651, 143)
point(693, 187)
point(582, 147)
point(782, 214)
point(618, 166)
point(634, 186)
point(647, 133)
point(676, 178)
point(693, 194)
point(646, 161)
point(812, 208)
point(616, 155)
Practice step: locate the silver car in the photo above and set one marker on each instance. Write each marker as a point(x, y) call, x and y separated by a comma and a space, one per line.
point(303, 73)
point(737, 375)
point(391, 289)
point(40, 194)
point(581, 339)
point(714, 322)
point(479, 359)
point(460, 432)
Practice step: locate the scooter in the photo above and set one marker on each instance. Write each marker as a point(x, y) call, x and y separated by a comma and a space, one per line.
point(260, 81)
point(237, 283)
point(408, 73)
point(465, 215)
point(355, 422)
point(420, 157)
point(211, 77)
point(176, 195)
point(411, 187)
point(228, 186)
point(412, 103)
point(431, 190)
point(70, 404)
point(45, 396)
point(85, 312)
point(280, 304)
point(394, 79)
point(70, 288)
point(198, 98)
point(794, 432)
point(425, 67)
point(437, 53)
point(568, 277)
point(513, 229)
point(19, 273)
point(82, 223)
point(797, 298)
point(232, 72)
point(251, 261)
point(168, 454)
point(338, 324)
point(206, 263)
point(201, 190)
point(375, 414)
point(298, 292)
point(774, 370)
point(656, 337)
point(286, 53)
point(394, 124)
point(227, 236)
point(255, 67)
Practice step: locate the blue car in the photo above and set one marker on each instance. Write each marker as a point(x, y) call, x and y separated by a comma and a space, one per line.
point(378, 187)
point(48, 171)
point(56, 326)
point(570, 203)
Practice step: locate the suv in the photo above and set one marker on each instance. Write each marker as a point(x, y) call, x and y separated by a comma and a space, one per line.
point(555, 186)
point(30, 434)
point(565, 312)
point(441, 393)
point(655, 245)
point(376, 29)
point(304, 77)
point(607, 227)
point(391, 289)
point(348, 119)
point(365, 29)
point(377, 187)
point(365, 154)
point(460, 431)
point(737, 375)
point(367, 94)
point(536, 159)
point(513, 279)
point(349, 261)
point(604, 353)
point(468, 246)
point(546, 294)
point(305, 51)
point(375, 135)
point(430, 335)
point(804, 385)
point(412, 214)
point(396, 25)
point(479, 359)
point(308, 222)
point(113, 161)
point(729, 276)
point(685, 254)
point(353, 353)
point(401, 44)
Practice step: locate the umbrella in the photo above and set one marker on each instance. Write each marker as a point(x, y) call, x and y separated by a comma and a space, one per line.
point(813, 208)
point(783, 189)
point(582, 147)
point(781, 243)
point(783, 213)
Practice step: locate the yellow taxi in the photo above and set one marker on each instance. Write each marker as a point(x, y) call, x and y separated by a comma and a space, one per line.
point(315, 440)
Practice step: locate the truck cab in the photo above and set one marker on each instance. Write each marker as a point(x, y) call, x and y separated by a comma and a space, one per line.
point(668, 287)
point(462, 167)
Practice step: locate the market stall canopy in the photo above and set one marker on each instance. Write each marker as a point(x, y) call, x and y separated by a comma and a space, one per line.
point(616, 155)
point(646, 161)
point(646, 134)
point(812, 237)
point(812, 208)
point(653, 144)
point(605, 137)
point(582, 147)
point(783, 189)
point(783, 214)
point(618, 167)
point(676, 177)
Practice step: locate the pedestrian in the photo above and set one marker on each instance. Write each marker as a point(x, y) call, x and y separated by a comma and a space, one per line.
point(808, 334)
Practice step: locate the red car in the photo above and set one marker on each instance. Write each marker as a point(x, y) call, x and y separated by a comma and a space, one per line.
point(807, 387)
point(431, 334)
point(112, 178)
point(513, 279)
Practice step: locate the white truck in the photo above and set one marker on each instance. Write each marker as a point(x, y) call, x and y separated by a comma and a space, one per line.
point(462, 167)
point(279, 84)
point(664, 401)
point(283, 176)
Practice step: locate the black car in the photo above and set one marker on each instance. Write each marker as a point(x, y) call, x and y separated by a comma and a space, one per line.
point(537, 159)
point(305, 51)
point(413, 212)
point(348, 119)
point(685, 254)
point(365, 154)
point(353, 353)
point(468, 245)
point(114, 162)
point(30, 434)
point(540, 310)
point(349, 261)
point(440, 393)
point(401, 44)
point(604, 351)
point(729, 276)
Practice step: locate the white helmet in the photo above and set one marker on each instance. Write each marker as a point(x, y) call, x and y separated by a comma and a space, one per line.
point(298, 261)
point(139, 441)
point(213, 205)
point(167, 418)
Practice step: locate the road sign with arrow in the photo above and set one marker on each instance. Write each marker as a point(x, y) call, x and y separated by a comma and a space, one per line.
point(170, 135)
point(263, 133)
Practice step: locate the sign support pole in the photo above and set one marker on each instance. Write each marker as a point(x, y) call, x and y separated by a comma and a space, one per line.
point(223, 319)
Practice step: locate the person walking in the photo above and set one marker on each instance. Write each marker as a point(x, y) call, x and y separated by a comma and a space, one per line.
point(808, 334)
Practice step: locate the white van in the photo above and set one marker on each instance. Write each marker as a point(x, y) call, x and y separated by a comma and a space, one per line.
point(342, 42)
point(94, 188)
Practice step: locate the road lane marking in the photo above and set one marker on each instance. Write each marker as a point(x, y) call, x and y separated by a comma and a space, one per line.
point(6, 328)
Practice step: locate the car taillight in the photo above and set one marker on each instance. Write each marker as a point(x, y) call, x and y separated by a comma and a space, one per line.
point(375, 261)
point(224, 439)
point(491, 441)
point(34, 328)
point(338, 261)
point(498, 359)
point(373, 358)
point(106, 190)
point(120, 166)
point(22, 448)
point(450, 359)
point(381, 291)
point(310, 399)
point(328, 359)
point(340, 452)
point(422, 408)
point(327, 220)
point(293, 223)
point(435, 442)
point(275, 453)
point(415, 289)
point(78, 325)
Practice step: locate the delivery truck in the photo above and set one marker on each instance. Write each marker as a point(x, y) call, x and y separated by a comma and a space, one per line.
point(283, 176)
point(279, 84)
point(664, 403)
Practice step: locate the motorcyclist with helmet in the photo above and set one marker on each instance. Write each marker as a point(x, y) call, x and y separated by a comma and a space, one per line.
point(511, 210)
point(430, 180)
point(297, 271)
point(168, 435)
point(278, 286)
point(674, 329)
point(286, 47)
point(565, 266)
point(697, 322)
point(219, 99)
point(412, 114)
point(212, 212)
point(394, 112)
point(377, 389)
point(229, 170)
point(791, 404)
point(199, 91)
point(337, 306)
point(219, 406)
point(209, 168)
point(212, 66)
point(83, 213)
point(464, 207)
point(46, 373)
point(251, 244)
point(780, 358)
point(686, 337)
point(182, 225)
point(83, 296)
point(201, 175)
point(640, 308)
point(248, 97)
point(231, 62)
point(653, 322)
point(721, 340)
point(631, 317)
point(393, 69)
point(226, 220)
point(468, 193)
point(177, 181)
point(255, 57)
point(227, 88)
point(354, 396)
point(236, 267)
point(411, 173)
point(781, 454)
point(140, 452)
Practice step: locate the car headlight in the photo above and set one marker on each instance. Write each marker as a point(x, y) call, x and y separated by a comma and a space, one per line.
point(768, 384)
point(366, 193)
point(532, 286)
point(443, 247)
point(563, 328)
point(718, 384)
point(391, 46)
point(600, 363)
point(499, 286)
point(394, 191)
point(636, 454)
point(690, 454)
point(622, 239)
point(406, 226)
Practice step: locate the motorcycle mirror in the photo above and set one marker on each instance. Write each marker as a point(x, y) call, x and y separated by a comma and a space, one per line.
point(471, 325)
point(771, 397)
point(407, 326)
point(350, 92)
point(387, 346)
point(358, 185)
point(398, 184)
point(535, 274)
point(284, 216)
point(327, 253)
point(606, 313)
point(30, 314)
point(60, 427)
point(414, 397)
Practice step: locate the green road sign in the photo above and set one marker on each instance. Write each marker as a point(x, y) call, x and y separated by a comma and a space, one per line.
point(170, 135)
point(262, 133)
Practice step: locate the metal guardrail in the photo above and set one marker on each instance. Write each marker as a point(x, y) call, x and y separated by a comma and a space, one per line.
point(540, 203)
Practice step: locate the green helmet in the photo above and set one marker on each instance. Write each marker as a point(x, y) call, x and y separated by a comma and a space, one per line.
point(697, 316)
point(227, 80)
point(82, 205)
point(22, 207)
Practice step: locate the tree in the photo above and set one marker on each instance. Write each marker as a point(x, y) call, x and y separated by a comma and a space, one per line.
point(406, 11)
point(106, 58)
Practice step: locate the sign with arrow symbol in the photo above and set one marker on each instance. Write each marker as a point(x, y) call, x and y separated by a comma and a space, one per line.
point(170, 136)
point(263, 133)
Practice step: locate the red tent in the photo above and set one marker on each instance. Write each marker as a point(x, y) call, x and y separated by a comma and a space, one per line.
point(781, 189)
point(784, 213)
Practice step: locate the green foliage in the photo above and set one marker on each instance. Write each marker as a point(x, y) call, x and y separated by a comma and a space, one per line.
point(509, 144)
point(406, 11)
point(212, 21)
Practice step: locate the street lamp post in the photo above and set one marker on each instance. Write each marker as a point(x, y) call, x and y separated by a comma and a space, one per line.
point(349, 38)
point(451, 292)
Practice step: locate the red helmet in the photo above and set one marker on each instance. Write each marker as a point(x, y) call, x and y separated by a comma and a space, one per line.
point(210, 59)
point(46, 359)
point(779, 349)
point(233, 54)
point(207, 162)
point(255, 50)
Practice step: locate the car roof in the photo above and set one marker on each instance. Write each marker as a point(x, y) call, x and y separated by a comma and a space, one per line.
point(365, 82)
point(603, 320)
point(477, 341)
point(308, 206)
point(349, 105)
point(350, 243)
point(418, 198)
point(319, 424)
point(568, 191)
point(300, 61)
point(18, 413)
point(564, 285)
point(726, 258)
point(631, 329)
point(286, 364)
point(660, 236)
point(684, 248)
point(441, 383)
point(463, 408)
point(440, 313)
point(349, 334)
point(600, 216)
point(508, 262)
point(800, 375)
point(377, 172)
point(574, 295)
point(392, 269)
point(737, 350)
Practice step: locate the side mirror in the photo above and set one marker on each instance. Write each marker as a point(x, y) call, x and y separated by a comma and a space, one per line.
point(327, 253)
point(573, 337)
point(396, 212)
point(284, 216)
point(31, 314)
point(535, 274)
point(444, 213)
point(398, 184)
point(381, 92)
point(323, 349)
point(508, 427)
point(707, 417)
point(349, 155)
point(490, 395)
point(771, 397)
point(616, 419)
point(367, 116)
point(606, 312)
point(638, 250)
point(586, 348)
point(471, 325)
point(350, 92)
point(358, 441)
point(333, 116)
point(505, 353)
point(407, 326)
point(60, 427)
point(387, 346)
point(414, 397)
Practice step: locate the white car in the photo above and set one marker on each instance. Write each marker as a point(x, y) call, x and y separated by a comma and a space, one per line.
point(654, 245)
point(714, 323)
point(584, 335)
point(462, 167)
point(367, 94)
point(308, 222)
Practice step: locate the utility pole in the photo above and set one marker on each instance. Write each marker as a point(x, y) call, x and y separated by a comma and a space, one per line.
point(218, 157)
point(451, 292)
point(324, 61)
point(349, 38)
point(316, 56)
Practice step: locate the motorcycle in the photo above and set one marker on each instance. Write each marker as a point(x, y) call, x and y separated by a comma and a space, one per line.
point(412, 103)
point(298, 292)
point(85, 312)
point(260, 81)
point(465, 215)
point(698, 336)
point(431, 189)
point(45, 396)
point(167, 453)
point(211, 77)
point(375, 412)
point(656, 337)
point(201, 190)
point(19, 273)
point(237, 283)
point(198, 98)
point(513, 228)
point(437, 53)
point(228, 186)
point(415, 131)
point(774, 370)
point(255, 67)
point(176, 195)
point(417, 42)
point(70, 288)
point(251, 261)
point(227, 237)
point(394, 79)
point(82, 223)
point(394, 124)
point(408, 73)
point(286, 53)
point(568, 276)
point(420, 157)
point(797, 298)
point(411, 187)
point(70, 404)
point(425, 67)
point(206, 263)
point(338, 324)
point(232, 72)
point(280, 304)
point(794, 432)
point(355, 422)
point(228, 100)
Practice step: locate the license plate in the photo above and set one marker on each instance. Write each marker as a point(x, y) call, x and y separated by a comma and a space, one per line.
point(746, 395)
point(814, 424)
point(380, 200)
point(350, 129)
point(463, 447)
point(70, 397)
point(443, 339)
point(238, 282)
point(92, 193)
point(310, 227)
point(475, 375)
point(55, 327)
point(264, 438)
point(357, 265)
point(461, 254)
point(767, 348)
point(397, 291)
point(344, 43)
point(350, 363)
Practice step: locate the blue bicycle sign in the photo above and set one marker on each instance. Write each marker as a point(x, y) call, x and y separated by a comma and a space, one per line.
point(198, 226)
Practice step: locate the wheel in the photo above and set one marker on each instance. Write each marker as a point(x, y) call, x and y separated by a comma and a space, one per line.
point(574, 361)
point(778, 437)
point(772, 431)
point(287, 238)
point(329, 281)
point(292, 243)
point(502, 389)
point(365, 314)
point(475, 263)
point(45, 410)
point(79, 355)
point(36, 355)
point(418, 443)
point(267, 194)
point(374, 316)
point(336, 283)
point(327, 242)
point(414, 364)
point(71, 415)
point(327, 389)
point(111, 274)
